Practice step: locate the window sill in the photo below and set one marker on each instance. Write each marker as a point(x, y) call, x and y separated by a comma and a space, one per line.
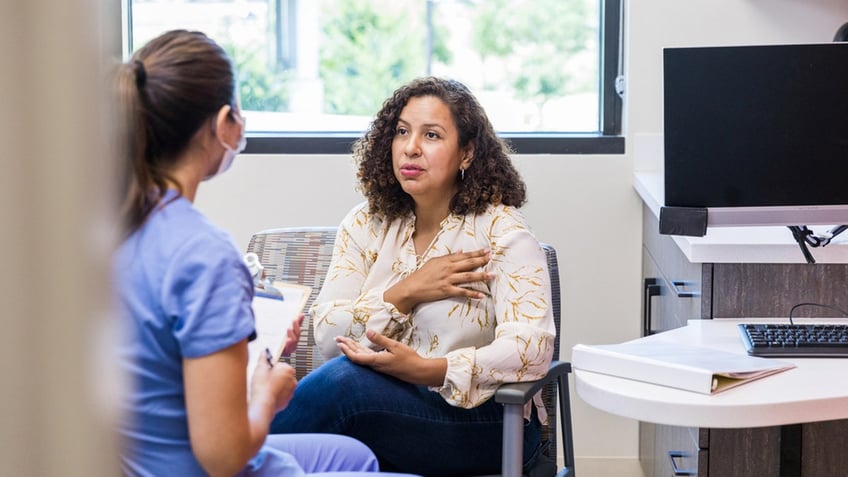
point(340, 143)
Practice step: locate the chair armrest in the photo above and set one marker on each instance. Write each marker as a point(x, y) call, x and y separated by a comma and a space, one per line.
point(521, 393)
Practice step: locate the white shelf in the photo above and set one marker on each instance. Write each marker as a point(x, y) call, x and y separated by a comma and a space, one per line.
point(740, 244)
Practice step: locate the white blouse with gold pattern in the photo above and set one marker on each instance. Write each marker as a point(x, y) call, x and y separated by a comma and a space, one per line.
point(507, 336)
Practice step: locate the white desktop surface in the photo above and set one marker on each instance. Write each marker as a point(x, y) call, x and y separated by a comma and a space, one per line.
point(816, 390)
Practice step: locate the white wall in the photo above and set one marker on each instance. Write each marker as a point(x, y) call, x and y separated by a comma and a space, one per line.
point(583, 205)
point(654, 24)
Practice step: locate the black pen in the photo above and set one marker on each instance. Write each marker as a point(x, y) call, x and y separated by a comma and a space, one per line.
point(269, 357)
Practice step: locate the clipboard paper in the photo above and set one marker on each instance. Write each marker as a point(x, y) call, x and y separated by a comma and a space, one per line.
point(691, 368)
point(274, 315)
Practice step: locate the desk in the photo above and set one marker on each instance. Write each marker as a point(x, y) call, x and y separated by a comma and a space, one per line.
point(817, 390)
point(733, 272)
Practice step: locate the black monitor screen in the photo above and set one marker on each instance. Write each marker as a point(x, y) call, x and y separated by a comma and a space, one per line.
point(751, 126)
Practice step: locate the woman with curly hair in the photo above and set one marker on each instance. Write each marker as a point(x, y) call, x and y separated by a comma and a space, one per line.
point(437, 293)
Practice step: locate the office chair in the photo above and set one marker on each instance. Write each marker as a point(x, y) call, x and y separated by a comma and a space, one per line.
point(298, 255)
point(302, 255)
point(555, 395)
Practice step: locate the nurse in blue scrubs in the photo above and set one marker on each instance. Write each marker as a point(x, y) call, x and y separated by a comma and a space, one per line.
point(184, 292)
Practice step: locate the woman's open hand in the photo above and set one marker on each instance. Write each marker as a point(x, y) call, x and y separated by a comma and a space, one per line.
point(395, 359)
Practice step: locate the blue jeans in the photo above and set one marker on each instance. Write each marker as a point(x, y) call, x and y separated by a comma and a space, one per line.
point(409, 428)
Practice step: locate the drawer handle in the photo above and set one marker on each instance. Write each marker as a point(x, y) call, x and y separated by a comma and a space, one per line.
point(651, 289)
point(677, 287)
point(672, 455)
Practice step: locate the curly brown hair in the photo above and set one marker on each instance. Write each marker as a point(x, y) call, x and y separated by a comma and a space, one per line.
point(490, 179)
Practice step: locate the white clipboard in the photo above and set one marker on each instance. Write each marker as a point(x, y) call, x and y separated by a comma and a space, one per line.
point(274, 314)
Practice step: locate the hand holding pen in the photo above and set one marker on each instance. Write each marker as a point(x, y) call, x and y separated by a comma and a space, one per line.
point(272, 382)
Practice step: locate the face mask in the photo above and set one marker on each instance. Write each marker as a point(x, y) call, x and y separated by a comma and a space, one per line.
point(230, 153)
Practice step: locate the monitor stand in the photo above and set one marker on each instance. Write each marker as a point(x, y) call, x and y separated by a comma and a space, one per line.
point(804, 236)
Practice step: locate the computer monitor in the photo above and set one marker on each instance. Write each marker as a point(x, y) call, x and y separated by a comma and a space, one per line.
point(757, 135)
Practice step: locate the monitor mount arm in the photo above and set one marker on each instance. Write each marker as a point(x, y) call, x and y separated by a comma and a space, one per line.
point(804, 236)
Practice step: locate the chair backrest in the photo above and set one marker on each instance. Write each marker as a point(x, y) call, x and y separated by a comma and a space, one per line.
point(549, 392)
point(297, 255)
point(302, 255)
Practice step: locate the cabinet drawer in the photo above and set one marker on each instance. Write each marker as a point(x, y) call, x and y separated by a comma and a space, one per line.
point(668, 303)
point(823, 448)
point(677, 451)
point(677, 283)
point(744, 452)
point(771, 289)
point(647, 448)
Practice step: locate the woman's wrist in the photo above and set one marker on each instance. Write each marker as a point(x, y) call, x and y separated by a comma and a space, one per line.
point(397, 296)
point(261, 407)
point(434, 371)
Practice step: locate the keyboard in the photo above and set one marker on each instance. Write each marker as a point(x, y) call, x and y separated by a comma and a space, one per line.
point(795, 340)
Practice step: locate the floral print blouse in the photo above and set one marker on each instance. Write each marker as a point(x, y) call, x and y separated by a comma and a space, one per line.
point(507, 336)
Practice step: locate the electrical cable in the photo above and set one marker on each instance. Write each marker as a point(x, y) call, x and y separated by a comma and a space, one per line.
point(831, 307)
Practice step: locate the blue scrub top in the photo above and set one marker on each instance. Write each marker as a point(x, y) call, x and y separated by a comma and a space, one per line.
point(184, 292)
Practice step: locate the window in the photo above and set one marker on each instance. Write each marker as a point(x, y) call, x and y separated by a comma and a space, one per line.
point(313, 73)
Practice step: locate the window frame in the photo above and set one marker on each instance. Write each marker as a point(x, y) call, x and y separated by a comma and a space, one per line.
point(607, 141)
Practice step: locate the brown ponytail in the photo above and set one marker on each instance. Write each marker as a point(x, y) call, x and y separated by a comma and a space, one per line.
point(167, 90)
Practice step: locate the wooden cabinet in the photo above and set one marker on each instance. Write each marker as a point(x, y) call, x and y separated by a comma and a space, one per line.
point(671, 295)
point(823, 446)
point(675, 291)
